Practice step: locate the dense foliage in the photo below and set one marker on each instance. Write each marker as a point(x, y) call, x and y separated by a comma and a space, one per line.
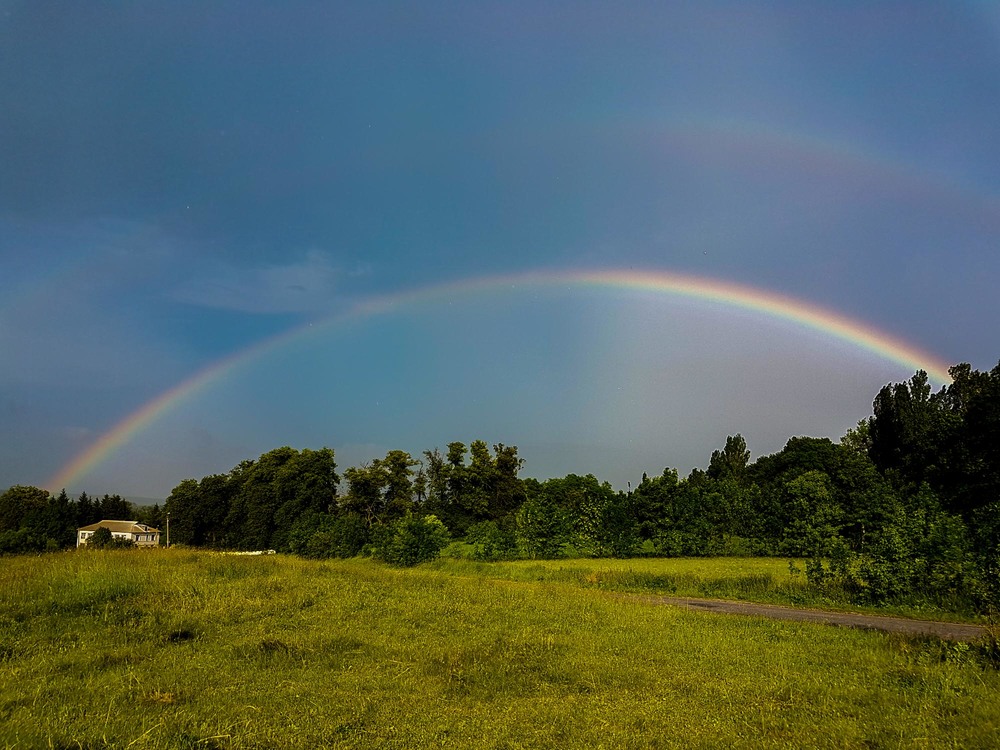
point(905, 507)
point(31, 520)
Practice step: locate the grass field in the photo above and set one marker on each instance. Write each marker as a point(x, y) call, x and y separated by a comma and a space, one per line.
point(759, 579)
point(183, 649)
point(762, 579)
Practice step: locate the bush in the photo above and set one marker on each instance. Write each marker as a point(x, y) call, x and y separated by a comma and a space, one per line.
point(321, 536)
point(922, 555)
point(104, 539)
point(490, 542)
point(411, 540)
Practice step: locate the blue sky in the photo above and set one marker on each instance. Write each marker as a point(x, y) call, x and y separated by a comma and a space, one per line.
point(180, 181)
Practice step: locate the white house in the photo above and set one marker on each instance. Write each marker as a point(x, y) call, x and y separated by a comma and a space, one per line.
point(140, 533)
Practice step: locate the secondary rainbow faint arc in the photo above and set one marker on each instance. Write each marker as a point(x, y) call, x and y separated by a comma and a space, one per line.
point(768, 303)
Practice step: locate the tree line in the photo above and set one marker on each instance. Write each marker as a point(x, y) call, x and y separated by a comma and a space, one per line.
point(32, 520)
point(907, 504)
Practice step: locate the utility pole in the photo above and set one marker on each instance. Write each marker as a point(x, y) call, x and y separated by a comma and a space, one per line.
point(168, 530)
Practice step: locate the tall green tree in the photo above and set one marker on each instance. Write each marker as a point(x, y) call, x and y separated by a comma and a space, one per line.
point(507, 490)
point(57, 522)
point(731, 462)
point(20, 505)
point(947, 439)
point(116, 508)
point(274, 491)
point(544, 526)
point(86, 511)
point(465, 494)
point(815, 518)
point(906, 430)
point(436, 472)
point(382, 490)
point(183, 505)
point(654, 504)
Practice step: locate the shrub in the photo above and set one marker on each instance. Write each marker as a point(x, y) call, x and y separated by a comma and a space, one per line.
point(490, 542)
point(411, 540)
point(104, 539)
point(921, 555)
point(321, 536)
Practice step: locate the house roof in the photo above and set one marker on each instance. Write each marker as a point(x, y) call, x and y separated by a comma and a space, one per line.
point(122, 527)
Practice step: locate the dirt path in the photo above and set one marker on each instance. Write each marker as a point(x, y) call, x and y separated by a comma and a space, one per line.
point(952, 631)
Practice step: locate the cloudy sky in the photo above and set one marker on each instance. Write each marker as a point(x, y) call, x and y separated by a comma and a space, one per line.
point(304, 224)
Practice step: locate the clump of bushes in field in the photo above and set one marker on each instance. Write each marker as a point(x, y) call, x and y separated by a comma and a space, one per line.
point(491, 541)
point(921, 555)
point(410, 540)
point(406, 541)
point(322, 535)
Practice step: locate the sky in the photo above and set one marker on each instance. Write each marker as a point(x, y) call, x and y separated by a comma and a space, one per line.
point(227, 227)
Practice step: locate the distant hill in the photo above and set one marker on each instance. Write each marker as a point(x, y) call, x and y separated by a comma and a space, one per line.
point(145, 502)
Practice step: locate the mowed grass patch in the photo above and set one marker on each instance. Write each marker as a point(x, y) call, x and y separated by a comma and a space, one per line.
point(203, 650)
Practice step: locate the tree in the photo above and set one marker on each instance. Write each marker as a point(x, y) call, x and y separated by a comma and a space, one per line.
point(104, 539)
point(814, 518)
point(365, 491)
point(949, 439)
point(419, 487)
point(152, 516)
point(306, 481)
point(23, 520)
point(654, 504)
point(115, 507)
point(544, 527)
point(905, 431)
point(382, 490)
point(584, 502)
point(507, 491)
point(922, 554)
point(100, 539)
point(269, 494)
point(399, 482)
point(86, 512)
point(183, 505)
point(437, 483)
point(858, 439)
point(971, 475)
point(57, 522)
point(216, 493)
point(488, 488)
point(19, 505)
point(454, 501)
point(617, 534)
point(731, 462)
point(857, 488)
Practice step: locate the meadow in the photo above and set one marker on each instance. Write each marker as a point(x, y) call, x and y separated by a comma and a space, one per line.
point(191, 649)
point(769, 580)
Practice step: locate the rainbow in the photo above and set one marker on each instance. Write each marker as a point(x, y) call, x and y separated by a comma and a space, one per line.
point(768, 303)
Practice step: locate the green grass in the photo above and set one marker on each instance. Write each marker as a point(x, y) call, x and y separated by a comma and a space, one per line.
point(181, 649)
point(759, 579)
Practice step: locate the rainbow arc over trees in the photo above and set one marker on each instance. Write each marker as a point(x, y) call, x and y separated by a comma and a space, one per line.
point(708, 290)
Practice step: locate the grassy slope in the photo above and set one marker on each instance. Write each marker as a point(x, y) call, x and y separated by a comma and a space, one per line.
point(185, 649)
